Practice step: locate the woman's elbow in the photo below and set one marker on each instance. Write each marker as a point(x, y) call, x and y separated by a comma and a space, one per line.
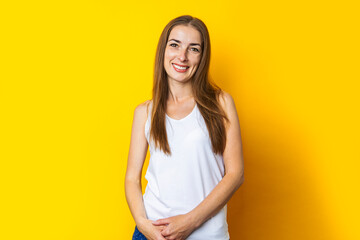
point(237, 179)
point(240, 181)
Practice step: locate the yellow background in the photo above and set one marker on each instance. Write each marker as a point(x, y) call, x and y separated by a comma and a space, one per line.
point(72, 73)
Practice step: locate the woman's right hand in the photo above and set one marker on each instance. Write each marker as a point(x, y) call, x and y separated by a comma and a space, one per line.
point(150, 231)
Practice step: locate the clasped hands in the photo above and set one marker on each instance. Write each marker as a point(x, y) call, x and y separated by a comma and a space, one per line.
point(178, 227)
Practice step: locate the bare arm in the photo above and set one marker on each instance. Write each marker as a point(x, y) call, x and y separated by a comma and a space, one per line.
point(136, 158)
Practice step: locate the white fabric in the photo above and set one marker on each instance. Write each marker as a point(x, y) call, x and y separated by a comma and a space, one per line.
point(180, 182)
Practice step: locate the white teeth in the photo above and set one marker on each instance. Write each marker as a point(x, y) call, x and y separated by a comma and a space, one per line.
point(178, 67)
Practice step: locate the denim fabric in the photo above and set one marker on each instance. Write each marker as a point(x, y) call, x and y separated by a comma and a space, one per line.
point(139, 236)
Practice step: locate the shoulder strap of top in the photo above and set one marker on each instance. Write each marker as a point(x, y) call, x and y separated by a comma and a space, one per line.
point(148, 120)
point(149, 109)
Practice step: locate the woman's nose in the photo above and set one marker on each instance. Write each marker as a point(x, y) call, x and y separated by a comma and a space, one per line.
point(183, 55)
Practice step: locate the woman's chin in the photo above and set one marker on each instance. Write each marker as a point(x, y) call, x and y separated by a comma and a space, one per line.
point(180, 79)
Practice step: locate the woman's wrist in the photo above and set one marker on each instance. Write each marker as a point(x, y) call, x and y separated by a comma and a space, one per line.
point(140, 221)
point(193, 219)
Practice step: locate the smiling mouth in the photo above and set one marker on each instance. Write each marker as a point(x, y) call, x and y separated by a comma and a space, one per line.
point(180, 68)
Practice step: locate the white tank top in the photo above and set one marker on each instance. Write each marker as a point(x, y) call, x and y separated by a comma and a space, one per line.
point(180, 182)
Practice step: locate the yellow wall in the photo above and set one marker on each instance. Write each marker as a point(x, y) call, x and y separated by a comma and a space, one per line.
point(72, 72)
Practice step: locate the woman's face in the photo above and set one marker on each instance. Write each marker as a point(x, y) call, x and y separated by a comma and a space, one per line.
point(182, 53)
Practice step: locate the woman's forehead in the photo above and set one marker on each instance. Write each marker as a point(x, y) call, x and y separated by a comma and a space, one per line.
point(185, 34)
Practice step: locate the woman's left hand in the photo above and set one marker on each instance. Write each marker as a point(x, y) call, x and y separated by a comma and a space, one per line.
point(177, 227)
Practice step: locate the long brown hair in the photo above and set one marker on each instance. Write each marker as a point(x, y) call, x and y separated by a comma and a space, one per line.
point(206, 93)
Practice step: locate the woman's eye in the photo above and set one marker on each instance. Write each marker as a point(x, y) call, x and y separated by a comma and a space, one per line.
point(173, 44)
point(195, 49)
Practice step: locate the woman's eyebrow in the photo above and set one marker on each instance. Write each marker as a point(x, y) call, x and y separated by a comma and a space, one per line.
point(192, 44)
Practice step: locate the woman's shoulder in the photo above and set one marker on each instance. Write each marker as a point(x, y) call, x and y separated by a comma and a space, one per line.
point(142, 109)
point(225, 100)
point(144, 105)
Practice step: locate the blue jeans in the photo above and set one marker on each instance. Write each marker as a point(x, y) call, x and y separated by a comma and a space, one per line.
point(138, 235)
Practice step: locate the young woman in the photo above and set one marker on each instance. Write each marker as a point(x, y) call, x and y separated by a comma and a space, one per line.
point(192, 130)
